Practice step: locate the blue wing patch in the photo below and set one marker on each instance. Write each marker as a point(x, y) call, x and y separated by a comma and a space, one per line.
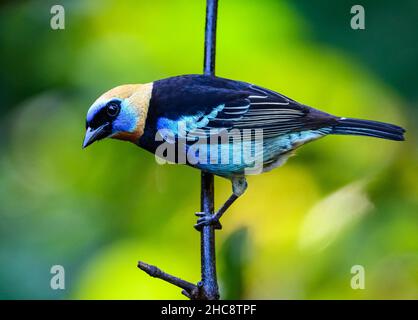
point(186, 124)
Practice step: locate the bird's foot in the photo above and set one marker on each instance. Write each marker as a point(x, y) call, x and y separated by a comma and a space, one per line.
point(207, 220)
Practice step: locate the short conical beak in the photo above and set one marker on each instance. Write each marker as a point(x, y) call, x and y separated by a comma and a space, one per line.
point(93, 135)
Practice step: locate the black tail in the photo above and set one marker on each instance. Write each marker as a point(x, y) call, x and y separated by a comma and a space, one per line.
point(368, 128)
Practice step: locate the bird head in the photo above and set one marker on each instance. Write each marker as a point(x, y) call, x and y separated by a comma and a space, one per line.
point(120, 113)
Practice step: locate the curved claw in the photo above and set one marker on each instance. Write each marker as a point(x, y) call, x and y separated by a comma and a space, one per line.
point(206, 220)
point(200, 214)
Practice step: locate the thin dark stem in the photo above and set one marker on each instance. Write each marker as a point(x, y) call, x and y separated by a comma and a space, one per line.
point(207, 241)
point(207, 234)
point(210, 37)
point(189, 289)
point(207, 288)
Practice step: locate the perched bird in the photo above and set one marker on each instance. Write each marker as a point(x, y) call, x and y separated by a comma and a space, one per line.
point(185, 110)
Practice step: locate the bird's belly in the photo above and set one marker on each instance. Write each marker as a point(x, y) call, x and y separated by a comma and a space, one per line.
point(281, 148)
point(226, 159)
point(252, 157)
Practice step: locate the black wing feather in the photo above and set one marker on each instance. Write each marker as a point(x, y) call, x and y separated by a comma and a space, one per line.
point(246, 106)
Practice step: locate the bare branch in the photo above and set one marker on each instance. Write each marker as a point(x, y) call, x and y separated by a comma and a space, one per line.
point(207, 288)
point(189, 289)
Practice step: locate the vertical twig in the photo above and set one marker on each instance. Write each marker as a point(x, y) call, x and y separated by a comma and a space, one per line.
point(209, 282)
point(207, 288)
point(210, 37)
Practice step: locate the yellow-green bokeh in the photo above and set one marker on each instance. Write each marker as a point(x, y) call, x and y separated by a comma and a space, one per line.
point(296, 233)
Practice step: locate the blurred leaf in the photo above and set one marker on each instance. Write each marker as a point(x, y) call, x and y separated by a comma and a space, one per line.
point(234, 257)
point(332, 215)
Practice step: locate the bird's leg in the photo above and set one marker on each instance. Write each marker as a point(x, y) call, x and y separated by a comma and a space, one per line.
point(239, 185)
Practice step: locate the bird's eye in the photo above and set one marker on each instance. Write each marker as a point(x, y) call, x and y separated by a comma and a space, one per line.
point(112, 109)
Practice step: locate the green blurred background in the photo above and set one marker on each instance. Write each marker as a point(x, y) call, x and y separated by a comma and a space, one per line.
point(298, 230)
